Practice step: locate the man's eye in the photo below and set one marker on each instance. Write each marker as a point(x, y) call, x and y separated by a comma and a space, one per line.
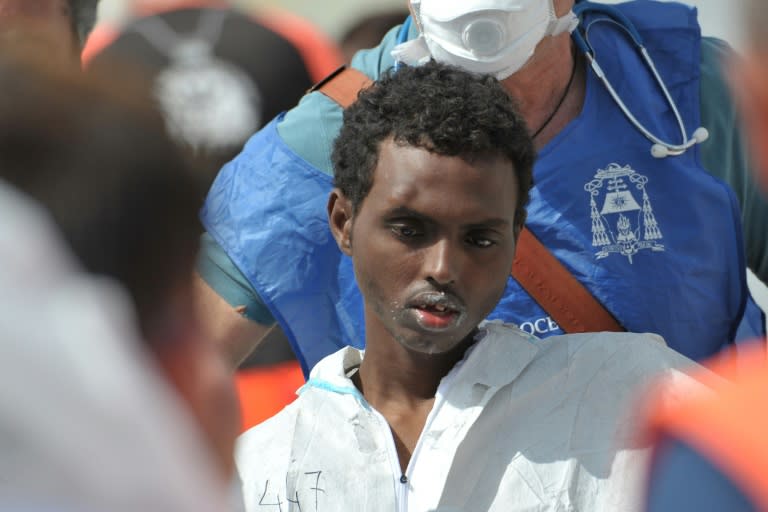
point(405, 231)
point(480, 242)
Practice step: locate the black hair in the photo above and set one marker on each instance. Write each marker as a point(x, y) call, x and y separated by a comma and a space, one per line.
point(437, 107)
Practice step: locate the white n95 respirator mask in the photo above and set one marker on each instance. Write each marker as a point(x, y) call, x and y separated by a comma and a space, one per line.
point(483, 36)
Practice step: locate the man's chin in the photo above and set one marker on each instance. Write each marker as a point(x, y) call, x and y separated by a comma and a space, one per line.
point(433, 344)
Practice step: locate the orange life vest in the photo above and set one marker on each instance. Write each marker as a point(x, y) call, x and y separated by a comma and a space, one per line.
point(729, 428)
point(265, 390)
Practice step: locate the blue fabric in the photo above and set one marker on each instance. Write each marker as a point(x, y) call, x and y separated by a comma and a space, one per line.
point(231, 283)
point(267, 210)
point(683, 480)
point(726, 160)
point(681, 272)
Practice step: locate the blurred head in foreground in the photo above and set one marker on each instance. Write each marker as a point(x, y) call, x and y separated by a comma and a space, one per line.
point(94, 153)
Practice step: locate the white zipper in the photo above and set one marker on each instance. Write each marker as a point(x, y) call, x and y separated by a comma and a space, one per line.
point(401, 495)
point(402, 480)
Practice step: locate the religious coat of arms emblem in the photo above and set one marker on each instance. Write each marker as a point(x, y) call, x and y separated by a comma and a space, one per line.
point(621, 224)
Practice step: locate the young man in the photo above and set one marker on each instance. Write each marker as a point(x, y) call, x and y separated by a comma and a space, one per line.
point(441, 412)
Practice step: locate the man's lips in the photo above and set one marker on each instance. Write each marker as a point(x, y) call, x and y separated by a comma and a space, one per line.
point(433, 319)
point(436, 310)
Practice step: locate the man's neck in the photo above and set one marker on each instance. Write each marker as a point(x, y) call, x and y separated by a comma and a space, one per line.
point(541, 88)
point(391, 373)
point(401, 385)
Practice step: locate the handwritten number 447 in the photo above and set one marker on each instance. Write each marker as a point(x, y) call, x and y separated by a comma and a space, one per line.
point(310, 496)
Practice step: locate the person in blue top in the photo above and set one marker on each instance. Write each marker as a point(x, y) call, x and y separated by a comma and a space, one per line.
point(642, 188)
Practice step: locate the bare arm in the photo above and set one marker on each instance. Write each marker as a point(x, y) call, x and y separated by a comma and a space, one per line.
point(234, 334)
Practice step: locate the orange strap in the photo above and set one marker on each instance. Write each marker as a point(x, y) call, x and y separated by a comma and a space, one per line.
point(545, 279)
point(555, 289)
point(343, 85)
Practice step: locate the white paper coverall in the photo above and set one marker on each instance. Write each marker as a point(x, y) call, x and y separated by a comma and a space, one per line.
point(519, 425)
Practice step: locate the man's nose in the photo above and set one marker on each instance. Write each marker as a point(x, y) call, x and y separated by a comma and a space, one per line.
point(443, 262)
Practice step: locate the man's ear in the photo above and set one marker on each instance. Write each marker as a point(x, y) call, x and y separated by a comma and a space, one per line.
point(340, 220)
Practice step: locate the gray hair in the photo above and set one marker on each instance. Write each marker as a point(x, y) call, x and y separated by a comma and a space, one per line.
point(83, 17)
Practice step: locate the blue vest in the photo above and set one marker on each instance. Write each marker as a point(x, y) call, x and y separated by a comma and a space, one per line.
point(657, 241)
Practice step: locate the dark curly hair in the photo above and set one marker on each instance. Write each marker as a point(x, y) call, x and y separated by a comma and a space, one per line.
point(440, 108)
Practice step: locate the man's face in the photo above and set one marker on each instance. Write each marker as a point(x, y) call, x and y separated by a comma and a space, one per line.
point(432, 245)
point(38, 25)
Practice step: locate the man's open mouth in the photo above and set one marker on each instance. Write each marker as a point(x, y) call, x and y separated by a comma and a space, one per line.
point(436, 311)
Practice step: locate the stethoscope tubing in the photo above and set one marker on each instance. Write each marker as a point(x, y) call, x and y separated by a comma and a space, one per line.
point(618, 19)
point(660, 148)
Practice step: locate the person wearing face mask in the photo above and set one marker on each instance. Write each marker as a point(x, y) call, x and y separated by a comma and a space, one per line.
point(647, 234)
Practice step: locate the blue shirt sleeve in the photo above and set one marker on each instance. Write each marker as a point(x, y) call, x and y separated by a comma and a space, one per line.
point(221, 274)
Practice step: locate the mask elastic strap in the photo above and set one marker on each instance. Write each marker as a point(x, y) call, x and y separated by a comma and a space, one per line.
point(414, 6)
point(566, 23)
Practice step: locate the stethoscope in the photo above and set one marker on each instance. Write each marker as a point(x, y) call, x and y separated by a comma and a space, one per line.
point(660, 148)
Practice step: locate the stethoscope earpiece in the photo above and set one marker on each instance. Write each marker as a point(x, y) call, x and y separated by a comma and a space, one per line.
point(700, 135)
point(659, 151)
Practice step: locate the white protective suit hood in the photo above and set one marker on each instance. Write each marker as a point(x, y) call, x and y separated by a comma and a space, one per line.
point(497, 37)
